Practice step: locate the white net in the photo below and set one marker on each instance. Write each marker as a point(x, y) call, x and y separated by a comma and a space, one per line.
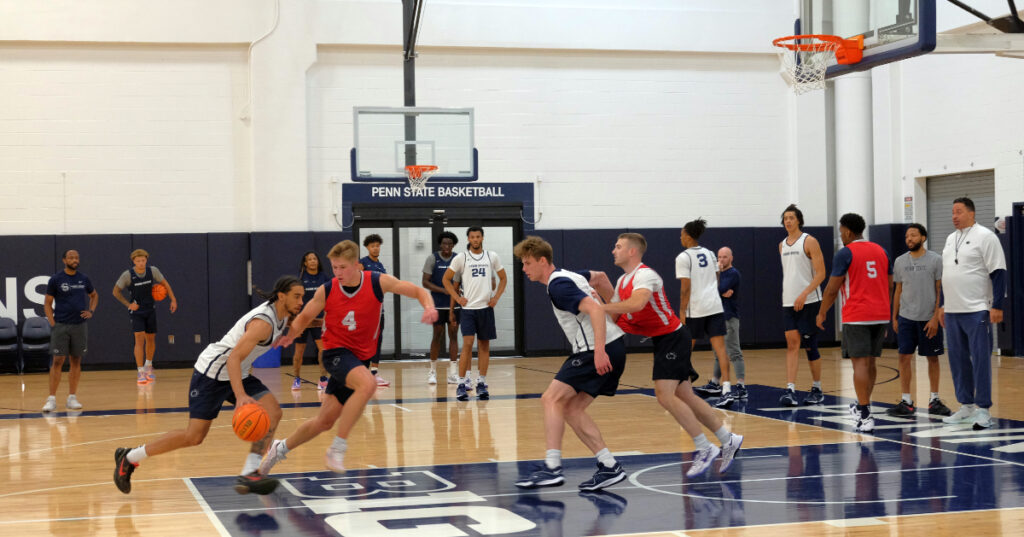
point(418, 176)
point(804, 70)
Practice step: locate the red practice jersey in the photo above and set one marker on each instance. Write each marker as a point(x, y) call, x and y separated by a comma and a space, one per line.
point(866, 290)
point(657, 317)
point(352, 320)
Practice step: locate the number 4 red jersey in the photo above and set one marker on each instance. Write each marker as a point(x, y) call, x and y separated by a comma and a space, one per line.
point(866, 290)
point(352, 319)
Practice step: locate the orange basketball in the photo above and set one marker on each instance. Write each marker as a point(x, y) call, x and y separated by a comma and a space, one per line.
point(159, 292)
point(250, 422)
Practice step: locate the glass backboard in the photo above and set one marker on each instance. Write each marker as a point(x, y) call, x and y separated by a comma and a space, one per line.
point(893, 30)
point(389, 139)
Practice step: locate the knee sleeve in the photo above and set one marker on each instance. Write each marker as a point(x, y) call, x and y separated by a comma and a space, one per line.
point(811, 346)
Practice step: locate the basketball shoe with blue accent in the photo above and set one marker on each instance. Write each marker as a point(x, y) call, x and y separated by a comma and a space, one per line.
point(542, 476)
point(604, 477)
point(702, 461)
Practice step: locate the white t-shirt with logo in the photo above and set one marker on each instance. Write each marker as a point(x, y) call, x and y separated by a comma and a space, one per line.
point(477, 272)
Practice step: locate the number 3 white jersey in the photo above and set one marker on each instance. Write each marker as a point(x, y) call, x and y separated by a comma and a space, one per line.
point(477, 272)
point(213, 360)
point(701, 267)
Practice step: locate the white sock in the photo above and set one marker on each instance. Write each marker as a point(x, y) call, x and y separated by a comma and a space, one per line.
point(149, 363)
point(816, 384)
point(252, 462)
point(482, 378)
point(723, 435)
point(282, 448)
point(141, 369)
point(726, 388)
point(791, 386)
point(553, 458)
point(906, 397)
point(136, 455)
point(433, 367)
point(933, 396)
point(339, 444)
point(605, 458)
point(701, 442)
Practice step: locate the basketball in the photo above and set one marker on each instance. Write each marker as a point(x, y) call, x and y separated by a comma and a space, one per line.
point(250, 422)
point(159, 292)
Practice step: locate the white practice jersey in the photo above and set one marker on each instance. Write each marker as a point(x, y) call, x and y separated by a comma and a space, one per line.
point(213, 360)
point(797, 272)
point(566, 289)
point(700, 265)
point(477, 272)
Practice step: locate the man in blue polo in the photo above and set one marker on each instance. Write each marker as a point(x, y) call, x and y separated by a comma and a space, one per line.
point(70, 302)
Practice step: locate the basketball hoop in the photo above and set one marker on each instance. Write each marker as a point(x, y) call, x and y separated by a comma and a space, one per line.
point(418, 175)
point(805, 58)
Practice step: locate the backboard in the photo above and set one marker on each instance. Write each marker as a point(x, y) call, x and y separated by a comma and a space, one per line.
point(893, 30)
point(389, 139)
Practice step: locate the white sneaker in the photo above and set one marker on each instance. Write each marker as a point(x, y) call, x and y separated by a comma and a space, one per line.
point(432, 378)
point(73, 403)
point(51, 404)
point(729, 450)
point(381, 381)
point(274, 455)
point(453, 378)
point(865, 425)
point(335, 461)
point(964, 415)
point(982, 419)
point(702, 461)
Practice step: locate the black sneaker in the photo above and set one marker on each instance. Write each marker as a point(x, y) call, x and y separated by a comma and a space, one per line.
point(816, 397)
point(903, 410)
point(461, 393)
point(936, 407)
point(123, 470)
point(604, 477)
point(542, 476)
point(726, 400)
point(788, 398)
point(481, 391)
point(709, 389)
point(741, 392)
point(255, 483)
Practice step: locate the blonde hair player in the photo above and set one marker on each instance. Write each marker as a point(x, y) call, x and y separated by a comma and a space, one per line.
point(352, 302)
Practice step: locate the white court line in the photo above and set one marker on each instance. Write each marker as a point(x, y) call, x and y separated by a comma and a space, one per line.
point(21, 492)
point(400, 407)
point(206, 509)
point(855, 522)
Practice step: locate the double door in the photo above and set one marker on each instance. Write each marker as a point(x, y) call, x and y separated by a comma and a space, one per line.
point(409, 239)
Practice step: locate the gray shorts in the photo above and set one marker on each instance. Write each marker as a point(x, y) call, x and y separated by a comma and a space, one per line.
point(863, 340)
point(69, 339)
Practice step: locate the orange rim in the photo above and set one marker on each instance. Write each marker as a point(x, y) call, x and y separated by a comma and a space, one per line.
point(847, 50)
point(416, 171)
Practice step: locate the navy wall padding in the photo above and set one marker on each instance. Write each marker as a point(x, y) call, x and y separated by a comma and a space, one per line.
point(891, 237)
point(227, 256)
point(542, 333)
point(276, 254)
point(27, 258)
point(103, 259)
point(182, 260)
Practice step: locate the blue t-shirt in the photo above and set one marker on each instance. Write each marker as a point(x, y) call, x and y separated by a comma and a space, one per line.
point(730, 279)
point(373, 266)
point(70, 296)
point(310, 283)
point(566, 295)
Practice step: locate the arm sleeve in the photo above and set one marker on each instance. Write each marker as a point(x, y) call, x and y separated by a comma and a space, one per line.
point(994, 258)
point(89, 288)
point(998, 288)
point(682, 265)
point(896, 274)
point(428, 266)
point(457, 264)
point(647, 279)
point(123, 280)
point(728, 280)
point(841, 262)
point(157, 275)
point(51, 287)
point(565, 295)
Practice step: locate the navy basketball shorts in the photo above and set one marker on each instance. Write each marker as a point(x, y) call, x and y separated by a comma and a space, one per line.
point(206, 396)
point(863, 340)
point(910, 337)
point(803, 321)
point(310, 335)
point(706, 327)
point(339, 362)
point(580, 373)
point(442, 316)
point(144, 321)
point(479, 323)
point(672, 357)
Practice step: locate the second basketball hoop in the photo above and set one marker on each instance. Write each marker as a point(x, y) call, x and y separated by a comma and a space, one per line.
point(418, 175)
